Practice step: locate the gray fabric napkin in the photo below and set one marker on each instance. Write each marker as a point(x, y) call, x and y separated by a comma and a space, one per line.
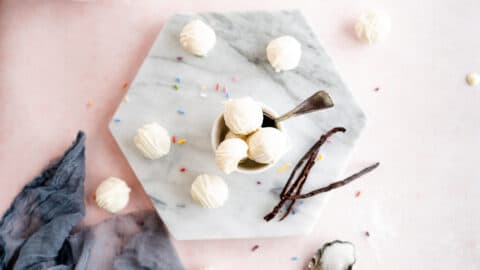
point(35, 232)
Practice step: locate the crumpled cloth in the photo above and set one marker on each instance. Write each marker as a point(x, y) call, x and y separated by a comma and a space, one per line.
point(39, 231)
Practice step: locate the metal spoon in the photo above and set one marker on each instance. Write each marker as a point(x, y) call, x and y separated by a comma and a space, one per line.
point(321, 100)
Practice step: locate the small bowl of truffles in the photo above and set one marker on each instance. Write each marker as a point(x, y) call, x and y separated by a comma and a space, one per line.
point(246, 138)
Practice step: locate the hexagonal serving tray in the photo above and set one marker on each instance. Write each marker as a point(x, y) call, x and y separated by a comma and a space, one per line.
point(238, 62)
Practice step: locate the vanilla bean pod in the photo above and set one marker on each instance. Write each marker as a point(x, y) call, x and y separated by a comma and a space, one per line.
point(336, 184)
point(310, 158)
point(301, 182)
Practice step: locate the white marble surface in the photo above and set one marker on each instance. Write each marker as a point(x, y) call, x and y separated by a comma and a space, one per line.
point(240, 53)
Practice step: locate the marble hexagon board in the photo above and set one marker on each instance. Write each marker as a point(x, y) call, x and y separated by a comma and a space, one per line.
point(239, 63)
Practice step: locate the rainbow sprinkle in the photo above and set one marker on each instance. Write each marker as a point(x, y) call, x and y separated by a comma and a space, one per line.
point(284, 167)
point(176, 86)
point(182, 141)
point(124, 85)
point(126, 99)
point(89, 103)
point(183, 169)
point(320, 157)
point(174, 139)
point(116, 120)
point(217, 87)
point(180, 111)
point(177, 79)
point(179, 58)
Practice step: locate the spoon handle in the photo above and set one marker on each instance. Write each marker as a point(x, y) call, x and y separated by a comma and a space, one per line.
point(319, 101)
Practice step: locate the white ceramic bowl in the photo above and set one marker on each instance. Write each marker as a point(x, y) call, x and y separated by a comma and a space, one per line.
point(248, 166)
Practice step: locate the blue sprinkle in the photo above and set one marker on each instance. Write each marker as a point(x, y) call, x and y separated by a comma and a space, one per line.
point(294, 258)
point(180, 111)
point(227, 95)
point(177, 79)
point(116, 120)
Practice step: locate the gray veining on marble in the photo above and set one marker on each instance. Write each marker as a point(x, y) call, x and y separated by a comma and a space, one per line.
point(239, 52)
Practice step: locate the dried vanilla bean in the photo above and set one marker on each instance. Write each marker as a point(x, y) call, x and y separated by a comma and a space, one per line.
point(292, 191)
point(308, 160)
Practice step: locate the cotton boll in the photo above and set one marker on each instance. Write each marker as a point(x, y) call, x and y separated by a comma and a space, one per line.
point(243, 115)
point(267, 145)
point(112, 194)
point(336, 255)
point(284, 53)
point(210, 191)
point(231, 135)
point(197, 38)
point(153, 141)
point(229, 153)
point(373, 26)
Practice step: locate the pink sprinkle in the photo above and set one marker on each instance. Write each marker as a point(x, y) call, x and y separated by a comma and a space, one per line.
point(182, 169)
point(174, 139)
point(217, 86)
point(225, 89)
point(357, 194)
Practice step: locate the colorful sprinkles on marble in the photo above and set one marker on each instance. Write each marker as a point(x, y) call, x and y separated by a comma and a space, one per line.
point(284, 167)
point(182, 141)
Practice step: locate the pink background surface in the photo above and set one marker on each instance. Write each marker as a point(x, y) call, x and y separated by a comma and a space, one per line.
point(421, 207)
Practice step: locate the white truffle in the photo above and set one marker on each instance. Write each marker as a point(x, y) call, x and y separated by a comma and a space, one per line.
point(473, 78)
point(284, 53)
point(229, 153)
point(209, 190)
point(231, 135)
point(243, 115)
point(153, 141)
point(267, 145)
point(373, 26)
point(197, 38)
point(112, 194)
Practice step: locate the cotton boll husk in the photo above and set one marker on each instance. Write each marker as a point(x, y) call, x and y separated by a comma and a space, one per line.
point(153, 141)
point(284, 53)
point(210, 191)
point(267, 145)
point(197, 38)
point(229, 153)
point(112, 194)
point(243, 115)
